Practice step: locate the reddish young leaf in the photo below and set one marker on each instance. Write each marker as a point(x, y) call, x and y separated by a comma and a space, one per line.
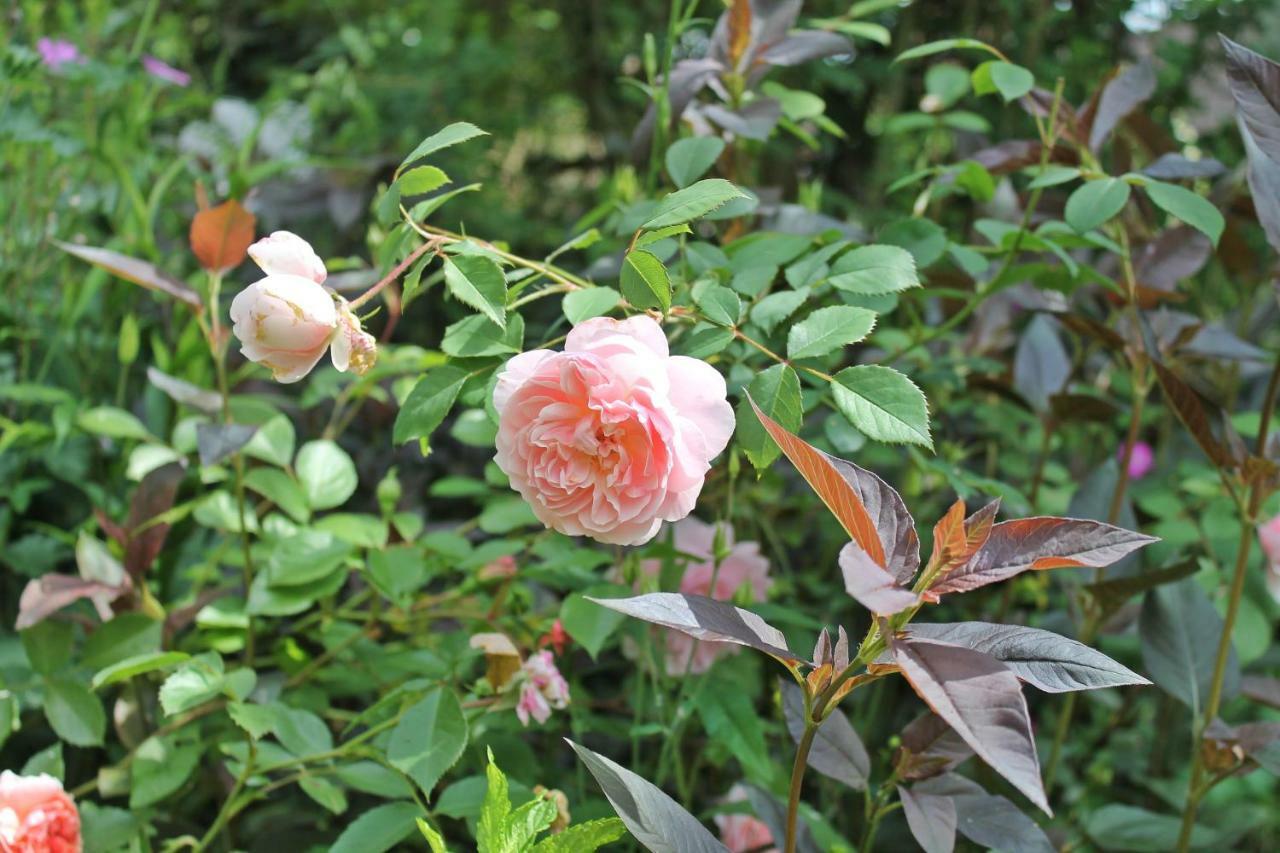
point(1040, 543)
point(739, 30)
point(956, 538)
point(134, 270)
point(870, 585)
point(220, 236)
point(49, 593)
point(868, 508)
point(155, 495)
point(931, 819)
point(982, 700)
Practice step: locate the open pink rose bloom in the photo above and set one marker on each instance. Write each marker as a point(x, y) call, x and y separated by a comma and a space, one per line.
point(37, 816)
point(612, 436)
point(286, 321)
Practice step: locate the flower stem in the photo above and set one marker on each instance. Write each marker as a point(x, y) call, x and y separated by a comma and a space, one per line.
point(797, 780)
point(429, 245)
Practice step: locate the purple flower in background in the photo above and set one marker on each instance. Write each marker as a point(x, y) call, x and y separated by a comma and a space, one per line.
point(55, 53)
point(1141, 461)
point(164, 71)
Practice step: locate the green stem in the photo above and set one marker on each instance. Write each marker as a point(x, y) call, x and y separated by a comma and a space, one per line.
point(224, 813)
point(797, 780)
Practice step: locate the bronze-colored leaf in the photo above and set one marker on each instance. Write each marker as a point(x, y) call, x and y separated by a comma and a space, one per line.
point(220, 236)
point(131, 269)
point(1193, 412)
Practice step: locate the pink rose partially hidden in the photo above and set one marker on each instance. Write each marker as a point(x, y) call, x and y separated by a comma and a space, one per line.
point(286, 321)
point(37, 816)
point(743, 570)
point(1269, 536)
point(613, 436)
point(543, 688)
point(742, 833)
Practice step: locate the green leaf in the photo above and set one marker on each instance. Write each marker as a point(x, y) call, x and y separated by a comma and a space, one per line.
point(478, 282)
point(649, 237)
point(421, 181)
point(305, 557)
point(273, 442)
point(48, 645)
point(777, 393)
point(776, 307)
point(872, 270)
point(331, 797)
point(137, 665)
point(494, 811)
point(719, 304)
point(1116, 826)
point(327, 474)
point(1011, 81)
point(113, 423)
point(378, 829)
point(451, 135)
point(281, 489)
point(199, 680)
point(1195, 210)
point(74, 712)
point(579, 305)
point(1051, 176)
point(257, 720)
point(429, 738)
point(693, 202)
point(428, 403)
point(300, 731)
point(1180, 628)
point(944, 45)
point(644, 281)
point(160, 767)
point(829, 329)
point(589, 624)
point(689, 159)
point(584, 837)
point(1094, 202)
point(883, 404)
point(475, 336)
point(434, 839)
point(730, 719)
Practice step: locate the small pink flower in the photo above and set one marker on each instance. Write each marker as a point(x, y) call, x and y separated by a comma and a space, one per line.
point(162, 70)
point(55, 53)
point(37, 816)
point(742, 833)
point(743, 567)
point(544, 688)
point(613, 436)
point(286, 321)
point(1141, 460)
point(1269, 536)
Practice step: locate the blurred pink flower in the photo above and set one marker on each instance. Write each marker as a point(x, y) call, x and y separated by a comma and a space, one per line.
point(55, 53)
point(544, 688)
point(1141, 461)
point(1269, 536)
point(162, 70)
point(37, 815)
point(741, 832)
point(743, 567)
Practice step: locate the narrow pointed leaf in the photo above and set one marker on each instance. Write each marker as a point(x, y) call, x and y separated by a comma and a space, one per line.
point(934, 747)
point(704, 619)
point(981, 699)
point(1193, 412)
point(693, 202)
point(1195, 210)
point(931, 819)
point(828, 329)
point(139, 272)
point(1043, 659)
point(654, 819)
point(644, 281)
point(1180, 629)
point(451, 135)
point(1095, 202)
point(478, 282)
point(837, 751)
point(871, 585)
point(1041, 543)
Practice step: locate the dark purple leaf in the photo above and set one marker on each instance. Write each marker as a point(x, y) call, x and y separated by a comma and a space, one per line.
point(981, 699)
point(1041, 543)
point(1123, 94)
point(837, 750)
point(155, 495)
point(773, 812)
point(1255, 85)
point(688, 78)
point(933, 747)
point(1193, 412)
point(870, 585)
point(931, 819)
point(136, 271)
point(1261, 688)
point(988, 820)
point(756, 120)
point(1177, 254)
point(1257, 741)
point(1175, 167)
point(1180, 628)
point(1041, 364)
point(1111, 595)
point(202, 399)
point(771, 20)
point(218, 441)
point(805, 46)
point(49, 593)
point(656, 820)
point(1043, 659)
point(1009, 156)
point(704, 619)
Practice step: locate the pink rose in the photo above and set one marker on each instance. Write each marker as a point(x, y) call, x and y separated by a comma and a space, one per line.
point(742, 833)
point(55, 53)
point(743, 567)
point(37, 816)
point(544, 688)
point(1269, 536)
point(613, 436)
point(1141, 460)
point(286, 321)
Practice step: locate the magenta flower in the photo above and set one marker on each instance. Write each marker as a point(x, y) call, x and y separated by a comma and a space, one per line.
point(1141, 461)
point(164, 71)
point(55, 53)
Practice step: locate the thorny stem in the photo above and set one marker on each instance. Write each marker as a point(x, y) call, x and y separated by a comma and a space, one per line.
point(1199, 786)
point(428, 246)
point(740, 335)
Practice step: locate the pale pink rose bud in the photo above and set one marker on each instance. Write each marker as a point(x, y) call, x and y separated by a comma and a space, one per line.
point(285, 253)
point(353, 347)
point(741, 832)
point(612, 436)
point(1269, 536)
point(543, 688)
point(37, 815)
point(743, 570)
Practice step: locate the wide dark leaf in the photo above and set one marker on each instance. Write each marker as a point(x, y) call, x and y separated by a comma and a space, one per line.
point(981, 699)
point(155, 496)
point(656, 820)
point(1261, 688)
point(988, 820)
point(837, 750)
point(1124, 93)
point(1043, 659)
point(1039, 543)
point(1041, 364)
point(1255, 85)
point(869, 509)
point(218, 441)
point(139, 272)
point(1180, 628)
point(933, 747)
point(870, 585)
point(931, 819)
point(1112, 594)
point(704, 619)
point(1173, 166)
point(1193, 412)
